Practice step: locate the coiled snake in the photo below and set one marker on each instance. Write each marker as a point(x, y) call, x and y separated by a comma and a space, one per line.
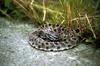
point(53, 38)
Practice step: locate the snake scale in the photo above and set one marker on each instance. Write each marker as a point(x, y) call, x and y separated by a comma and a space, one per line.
point(53, 38)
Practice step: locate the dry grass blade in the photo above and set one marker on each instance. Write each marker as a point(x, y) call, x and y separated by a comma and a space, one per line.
point(90, 26)
point(6, 14)
point(82, 18)
point(69, 16)
point(48, 9)
point(27, 8)
point(44, 10)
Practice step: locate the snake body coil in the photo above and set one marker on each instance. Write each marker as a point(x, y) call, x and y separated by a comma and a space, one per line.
point(53, 38)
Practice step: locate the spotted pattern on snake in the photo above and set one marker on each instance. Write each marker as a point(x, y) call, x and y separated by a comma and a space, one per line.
point(53, 38)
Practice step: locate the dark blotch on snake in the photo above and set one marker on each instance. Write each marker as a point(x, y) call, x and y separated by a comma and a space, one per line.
point(47, 43)
point(49, 24)
point(47, 47)
point(39, 46)
point(55, 30)
point(57, 25)
point(74, 38)
point(58, 47)
point(62, 29)
point(32, 43)
point(56, 43)
point(69, 45)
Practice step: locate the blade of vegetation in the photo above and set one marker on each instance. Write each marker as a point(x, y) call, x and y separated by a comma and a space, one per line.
point(90, 26)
